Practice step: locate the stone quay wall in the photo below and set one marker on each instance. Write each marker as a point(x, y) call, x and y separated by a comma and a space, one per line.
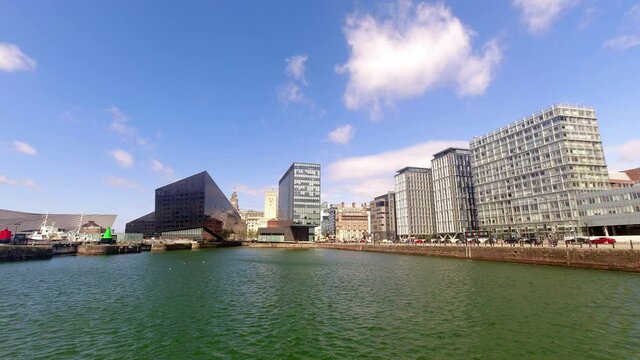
point(281, 245)
point(169, 247)
point(592, 258)
point(25, 252)
point(95, 249)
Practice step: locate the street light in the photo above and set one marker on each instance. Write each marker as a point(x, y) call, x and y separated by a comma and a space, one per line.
point(588, 231)
point(15, 234)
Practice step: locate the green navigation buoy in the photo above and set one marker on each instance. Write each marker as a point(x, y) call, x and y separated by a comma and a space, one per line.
point(106, 237)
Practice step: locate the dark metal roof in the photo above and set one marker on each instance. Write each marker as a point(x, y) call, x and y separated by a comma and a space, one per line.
point(448, 150)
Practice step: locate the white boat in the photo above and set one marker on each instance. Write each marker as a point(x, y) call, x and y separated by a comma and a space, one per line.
point(81, 237)
point(48, 232)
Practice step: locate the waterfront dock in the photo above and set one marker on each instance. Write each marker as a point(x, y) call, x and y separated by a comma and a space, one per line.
point(170, 246)
point(107, 249)
point(25, 252)
point(604, 258)
point(620, 258)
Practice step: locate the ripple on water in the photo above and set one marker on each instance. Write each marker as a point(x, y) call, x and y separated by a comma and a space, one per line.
point(260, 303)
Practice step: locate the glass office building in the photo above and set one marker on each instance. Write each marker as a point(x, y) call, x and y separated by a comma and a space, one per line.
point(299, 196)
point(195, 202)
point(145, 225)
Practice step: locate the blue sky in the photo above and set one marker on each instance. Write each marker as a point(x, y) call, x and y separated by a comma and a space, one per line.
point(102, 102)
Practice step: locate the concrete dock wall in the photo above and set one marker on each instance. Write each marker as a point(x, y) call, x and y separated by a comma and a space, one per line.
point(25, 252)
point(91, 249)
point(169, 247)
point(592, 258)
point(282, 245)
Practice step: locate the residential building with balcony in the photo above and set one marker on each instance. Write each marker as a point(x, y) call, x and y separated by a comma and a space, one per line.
point(453, 193)
point(527, 175)
point(414, 203)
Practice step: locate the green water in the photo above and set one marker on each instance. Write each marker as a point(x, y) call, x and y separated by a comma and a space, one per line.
point(299, 304)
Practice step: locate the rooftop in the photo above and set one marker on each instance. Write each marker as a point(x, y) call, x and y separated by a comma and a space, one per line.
point(449, 150)
point(412, 169)
point(619, 176)
point(538, 114)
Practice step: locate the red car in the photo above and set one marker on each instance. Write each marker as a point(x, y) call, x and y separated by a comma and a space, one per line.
point(603, 240)
point(419, 241)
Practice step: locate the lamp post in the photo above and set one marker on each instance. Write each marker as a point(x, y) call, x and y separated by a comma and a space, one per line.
point(588, 231)
point(15, 233)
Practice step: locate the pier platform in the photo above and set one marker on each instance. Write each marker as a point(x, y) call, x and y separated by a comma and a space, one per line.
point(98, 249)
point(25, 252)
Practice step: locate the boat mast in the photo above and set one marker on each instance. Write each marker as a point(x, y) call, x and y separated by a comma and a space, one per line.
point(80, 223)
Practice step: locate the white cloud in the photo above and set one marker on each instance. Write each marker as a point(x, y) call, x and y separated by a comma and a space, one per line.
point(342, 134)
point(119, 122)
point(292, 90)
point(13, 59)
point(159, 167)
point(631, 18)
point(119, 125)
point(588, 16)
point(289, 93)
point(123, 158)
point(120, 182)
point(29, 183)
point(625, 156)
point(296, 67)
point(117, 115)
point(630, 26)
point(361, 178)
point(414, 49)
point(251, 191)
point(623, 42)
point(14, 182)
point(386, 163)
point(539, 15)
point(24, 148)
point(475, 74)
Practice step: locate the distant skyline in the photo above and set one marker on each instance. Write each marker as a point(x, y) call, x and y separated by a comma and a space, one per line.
point(101, 103)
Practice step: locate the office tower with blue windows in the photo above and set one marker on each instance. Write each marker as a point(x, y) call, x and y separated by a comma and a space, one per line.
point(299, 199)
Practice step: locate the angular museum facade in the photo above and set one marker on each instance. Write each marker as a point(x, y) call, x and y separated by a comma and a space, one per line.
point(192, 208)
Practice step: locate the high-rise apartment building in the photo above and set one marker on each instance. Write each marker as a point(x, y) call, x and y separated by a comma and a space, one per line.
point(383, 217)
point(528, 174)
point(299, 197)
point(414, 202)
point(454, 201)
point(271, 204)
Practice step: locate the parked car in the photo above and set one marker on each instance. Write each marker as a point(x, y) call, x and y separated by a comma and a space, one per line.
point(419, 241)
point(491, 240)
point(577, 240)
point(473, 240)
point(511, 240)
point(533, 241)
point(602, 240)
